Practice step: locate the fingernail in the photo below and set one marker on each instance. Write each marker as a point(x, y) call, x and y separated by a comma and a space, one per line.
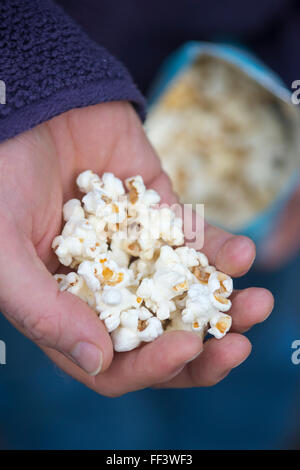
point(88, 357)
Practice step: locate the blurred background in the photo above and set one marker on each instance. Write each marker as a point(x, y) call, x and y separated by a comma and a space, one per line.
point(257, 406)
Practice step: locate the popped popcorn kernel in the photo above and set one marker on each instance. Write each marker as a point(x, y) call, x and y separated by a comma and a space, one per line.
point(132, 267)
point(201, 275)
point(219, 325)
point(222, 325)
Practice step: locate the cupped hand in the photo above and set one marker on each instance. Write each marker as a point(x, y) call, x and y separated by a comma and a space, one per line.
point(37, 175)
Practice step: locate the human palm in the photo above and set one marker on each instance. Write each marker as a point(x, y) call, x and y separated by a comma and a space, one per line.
point(37, 175)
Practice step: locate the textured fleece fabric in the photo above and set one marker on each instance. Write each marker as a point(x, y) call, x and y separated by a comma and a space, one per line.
point(49, 66)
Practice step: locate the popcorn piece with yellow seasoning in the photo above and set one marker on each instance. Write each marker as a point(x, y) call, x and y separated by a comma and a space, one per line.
point(220, 283)
point(220, 325)
point(138, 194)
point(104, 271)
point(202, 274)
point(220, 286)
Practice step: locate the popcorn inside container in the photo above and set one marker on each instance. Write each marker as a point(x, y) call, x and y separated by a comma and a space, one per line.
point(224, 139)
point(128, 262)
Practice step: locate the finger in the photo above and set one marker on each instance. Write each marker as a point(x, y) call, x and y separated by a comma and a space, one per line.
point(30, 298)
point(232, 254)
point(152, 363)
point(250, 306)
point(284, 240)
point(218, 358)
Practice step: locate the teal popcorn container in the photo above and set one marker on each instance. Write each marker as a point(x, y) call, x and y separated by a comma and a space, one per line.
point(260, 223)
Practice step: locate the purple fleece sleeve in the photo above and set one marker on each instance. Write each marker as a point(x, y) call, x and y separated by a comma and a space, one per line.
point(48, 65)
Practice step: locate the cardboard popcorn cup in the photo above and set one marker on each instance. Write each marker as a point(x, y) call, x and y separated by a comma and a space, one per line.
point(258, 223)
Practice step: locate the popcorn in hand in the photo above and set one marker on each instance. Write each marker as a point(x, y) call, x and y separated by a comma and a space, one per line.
point(131, 265)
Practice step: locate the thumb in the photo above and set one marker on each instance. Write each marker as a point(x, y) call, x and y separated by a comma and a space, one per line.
point(31, 300)
point(285, 239)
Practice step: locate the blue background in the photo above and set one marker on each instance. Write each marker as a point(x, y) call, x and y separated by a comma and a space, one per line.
point(255, 407)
